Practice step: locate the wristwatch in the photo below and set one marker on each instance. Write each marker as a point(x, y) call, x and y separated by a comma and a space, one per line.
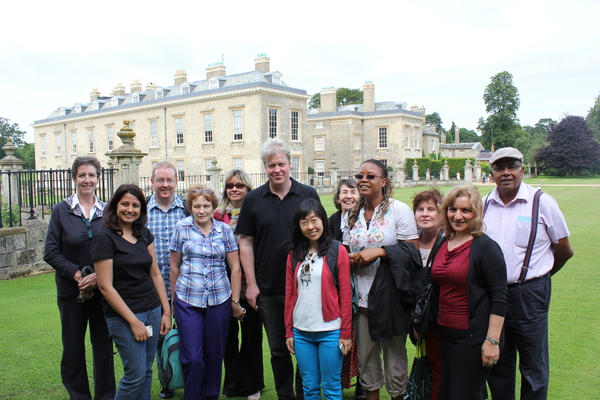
point(235, 301)
point(492, 341)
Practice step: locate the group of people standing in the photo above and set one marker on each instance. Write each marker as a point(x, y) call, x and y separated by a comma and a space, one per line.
point(334, 291)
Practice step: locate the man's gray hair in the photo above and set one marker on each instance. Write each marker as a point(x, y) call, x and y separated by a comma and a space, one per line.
point(272, 147)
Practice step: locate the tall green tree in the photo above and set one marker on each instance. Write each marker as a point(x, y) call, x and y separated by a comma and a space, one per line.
point(502, 102)
point(435, 120)
point(26, 153)
point(8, 130)
point(535, 137)
point(593, 118)
point(573, 150)
point(344, 96)
point(468, 136)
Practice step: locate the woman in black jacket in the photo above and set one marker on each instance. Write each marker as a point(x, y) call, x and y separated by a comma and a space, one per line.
point(73, 224)
point(470, 273)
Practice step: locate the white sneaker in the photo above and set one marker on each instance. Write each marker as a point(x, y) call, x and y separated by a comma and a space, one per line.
point(254, 396)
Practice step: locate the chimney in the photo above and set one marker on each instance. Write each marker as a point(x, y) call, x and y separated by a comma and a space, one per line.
point(150, 86)
point(94, 94)
point(180, 77)
point(422, 110)
point(456, 134)
point(119, 90)
point(369, 96)
point(262, 63)
point(136, 86)
point(215, 69)
point(328, 99)
point(414, 108)
point(443, 138)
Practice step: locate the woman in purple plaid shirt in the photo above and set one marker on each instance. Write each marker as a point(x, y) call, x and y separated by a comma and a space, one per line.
point(203, 298)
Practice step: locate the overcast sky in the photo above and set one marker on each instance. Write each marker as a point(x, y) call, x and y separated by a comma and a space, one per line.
point(439, 54)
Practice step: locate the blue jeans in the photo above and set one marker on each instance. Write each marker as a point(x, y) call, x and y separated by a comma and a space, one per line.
point(320, 362)
point(137, 357)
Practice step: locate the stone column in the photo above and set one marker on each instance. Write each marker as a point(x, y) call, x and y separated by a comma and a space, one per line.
point(427, 175)
point(446, 171)
point(477, 172)
point(468, 171)
point(10, 163)
point(400, 173)
point(126, 159)
point(334, 172)
point(215, 173)
point(415, 169)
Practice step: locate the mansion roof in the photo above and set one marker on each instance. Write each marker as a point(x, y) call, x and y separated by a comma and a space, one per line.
point(381, 108)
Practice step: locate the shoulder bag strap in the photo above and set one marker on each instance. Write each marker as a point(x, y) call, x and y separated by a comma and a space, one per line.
point(535, 216)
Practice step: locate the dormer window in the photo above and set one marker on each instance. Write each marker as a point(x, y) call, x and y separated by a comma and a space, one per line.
point(61, 112)
point(114, 102)
point(276, 80)
point(185, 88)
point(135, 98)
point(158, 93)
point(77, 109)
point(95, 105)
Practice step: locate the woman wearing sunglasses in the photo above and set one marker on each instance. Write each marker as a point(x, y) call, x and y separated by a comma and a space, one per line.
point(376, 221)
point(203, 297)
point(243, 364)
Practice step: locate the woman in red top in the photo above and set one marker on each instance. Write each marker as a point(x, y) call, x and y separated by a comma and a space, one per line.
point(318, 310)
point(470, 272)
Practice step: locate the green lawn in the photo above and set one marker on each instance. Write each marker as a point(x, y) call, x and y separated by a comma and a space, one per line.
point(30, 330)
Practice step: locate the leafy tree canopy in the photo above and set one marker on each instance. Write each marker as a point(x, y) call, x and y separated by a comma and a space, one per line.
point(344, 96)
point(502, 101)
point(435, 120)
point(593, 118)
point(573, 149)
point(534, 137)
point(468, 136)
point(8, 130)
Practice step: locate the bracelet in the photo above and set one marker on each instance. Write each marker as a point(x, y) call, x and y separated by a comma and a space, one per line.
point(492, 341)
point(235, 301)
point(168, 315)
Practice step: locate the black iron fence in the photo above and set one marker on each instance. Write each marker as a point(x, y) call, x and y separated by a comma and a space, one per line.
point(32, 194)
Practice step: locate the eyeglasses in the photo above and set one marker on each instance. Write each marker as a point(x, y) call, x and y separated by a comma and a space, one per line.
point(238, 186)
point(89, 226)
point(161, 181)
point(511, 167)
point(370, 177)
point(200, 191)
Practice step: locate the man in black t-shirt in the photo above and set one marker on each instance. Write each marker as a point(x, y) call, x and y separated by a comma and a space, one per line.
point(265, 226)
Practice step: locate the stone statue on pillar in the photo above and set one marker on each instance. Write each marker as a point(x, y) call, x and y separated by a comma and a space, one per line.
point(126, 159)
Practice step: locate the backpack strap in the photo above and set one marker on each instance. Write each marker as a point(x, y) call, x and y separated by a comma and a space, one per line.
point(535, 216)
point(332, 257)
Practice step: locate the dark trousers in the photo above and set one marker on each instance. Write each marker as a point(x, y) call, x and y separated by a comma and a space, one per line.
point(244, 364)
point(202, 337)
point(271, 314)
point(463, 376)
point(74, 318)
point(525, 332)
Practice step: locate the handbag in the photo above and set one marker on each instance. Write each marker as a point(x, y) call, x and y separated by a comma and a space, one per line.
point(421, 378)
point(425, 312)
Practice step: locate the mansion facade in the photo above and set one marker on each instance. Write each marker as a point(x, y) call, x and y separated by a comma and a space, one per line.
point(225, 118)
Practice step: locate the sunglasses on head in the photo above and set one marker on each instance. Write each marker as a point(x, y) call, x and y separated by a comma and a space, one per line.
point(235, 185)
point(200, 191)
point(370, 177)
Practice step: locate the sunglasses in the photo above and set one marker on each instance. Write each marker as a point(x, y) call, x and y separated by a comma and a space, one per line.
point(370, 177)
point(307, 263)
point(200, 191)
point(239, 186)
point(89, 226)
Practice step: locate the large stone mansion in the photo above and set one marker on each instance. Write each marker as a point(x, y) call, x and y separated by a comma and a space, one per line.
point(227, 117)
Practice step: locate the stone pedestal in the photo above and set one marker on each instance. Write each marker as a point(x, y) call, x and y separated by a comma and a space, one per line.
point(10, 184)
point(400, 173)
point(126, 159)
point(333, 170)
point(415, 169)
point(427, 175)
point(446, 171)
point(468, 172)
point(477, 172)
point(215, 173)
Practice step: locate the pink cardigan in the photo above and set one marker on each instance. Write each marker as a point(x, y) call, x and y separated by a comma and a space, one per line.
point(334, 304)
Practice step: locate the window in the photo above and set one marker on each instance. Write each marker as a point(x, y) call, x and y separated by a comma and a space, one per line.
point(295, 125)
point(58, 144)
point(319, 125)
point(319, 143)
point(179, 130)
point(356, 142)
point(276, 80)
point(110, 137)
point(154, 133)
point(383, 138)
point(356, 164)
point(154, 163)
point(62, 112)
point(43, 140)
point(238, 162)
point(95, 105)
point(91, 140)
point(207, 166)
point(272, 123)
point(185, 88)
point(296, 168)
point(135, 98)
point(214, 84)
point(114, 102)
point(406, 133)
point(74, 142)
point(433, 146)
point(158, 93)
point(383, 161)
point(416, 137)
point(237, 124)
point(320, 170)
point(77, 109)
point(180, 171)
point(208, 128)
